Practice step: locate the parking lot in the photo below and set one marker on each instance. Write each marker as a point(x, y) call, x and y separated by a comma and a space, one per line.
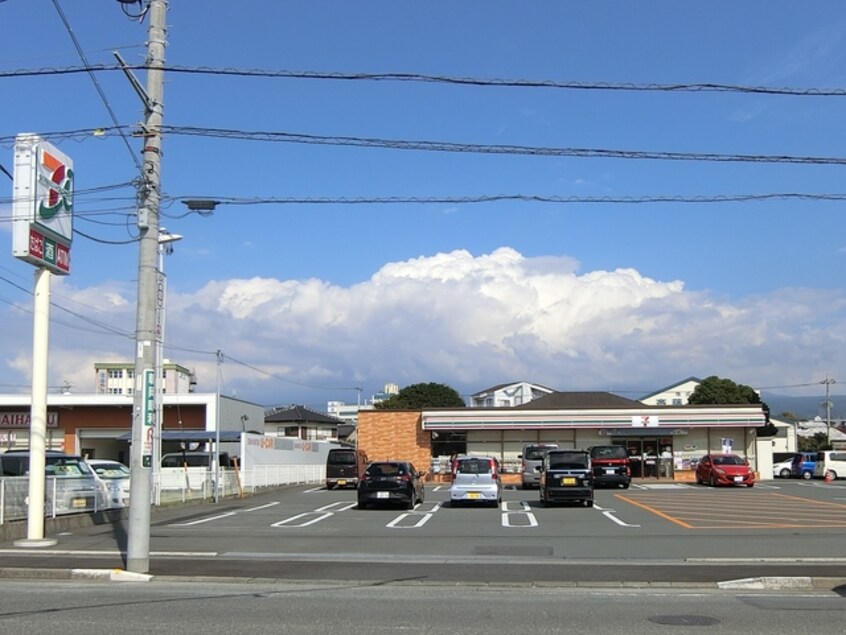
point(663, 530)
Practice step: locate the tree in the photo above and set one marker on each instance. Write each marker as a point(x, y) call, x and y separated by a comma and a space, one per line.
point(715, 390)
point(418, 396)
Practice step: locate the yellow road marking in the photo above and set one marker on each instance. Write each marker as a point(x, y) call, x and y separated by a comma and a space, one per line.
point(656, 512)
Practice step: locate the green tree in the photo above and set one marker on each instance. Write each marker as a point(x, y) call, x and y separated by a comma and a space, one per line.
point(716, 390)
point(417, 396)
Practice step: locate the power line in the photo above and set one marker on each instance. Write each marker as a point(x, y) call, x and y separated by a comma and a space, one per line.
point(97, 87)
point(680, 87)
point(463, 148)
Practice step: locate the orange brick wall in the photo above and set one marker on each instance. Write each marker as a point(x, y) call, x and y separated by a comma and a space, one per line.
point(394, 434)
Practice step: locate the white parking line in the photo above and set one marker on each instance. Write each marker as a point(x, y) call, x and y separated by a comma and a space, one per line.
point(524, 506)
point(202, 520)
point(343, 506)
point(314, 489)
point(255, 509)
point(531, 521)
point(610, 515)
point(423, 519)
point(284, 523)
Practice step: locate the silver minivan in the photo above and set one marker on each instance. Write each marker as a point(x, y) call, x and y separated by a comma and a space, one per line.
point(532, 459)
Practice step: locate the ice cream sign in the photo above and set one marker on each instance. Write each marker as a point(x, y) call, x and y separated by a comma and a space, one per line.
point(42, 209)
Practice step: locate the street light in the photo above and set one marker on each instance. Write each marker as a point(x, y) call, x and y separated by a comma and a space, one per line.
point(166, 240)
point(203, 206)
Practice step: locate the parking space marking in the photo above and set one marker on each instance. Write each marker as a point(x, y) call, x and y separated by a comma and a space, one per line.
point(609, 514)
point(285, 523)
point(525, 512)
point(422, 519)
point(202, 520)
point(321, 513)
point(709, 509)
point(315, 489)
point(341, 506)
point(255, 509)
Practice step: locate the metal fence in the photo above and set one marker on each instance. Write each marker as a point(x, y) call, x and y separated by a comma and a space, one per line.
point(62, 495)
point(85, 495)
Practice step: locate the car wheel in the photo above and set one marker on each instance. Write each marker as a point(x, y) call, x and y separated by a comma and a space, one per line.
point(785, 473)
point(833, 475)
point(712, 482)
point(751, 485)
point(588, 503)
point(361, 505)
point(330, 485)
point(807, 475)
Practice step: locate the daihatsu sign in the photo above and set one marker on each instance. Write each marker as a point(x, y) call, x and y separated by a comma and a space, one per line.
point(42, 208)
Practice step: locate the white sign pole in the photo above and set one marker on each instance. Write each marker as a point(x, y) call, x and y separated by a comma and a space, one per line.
point(38, 416)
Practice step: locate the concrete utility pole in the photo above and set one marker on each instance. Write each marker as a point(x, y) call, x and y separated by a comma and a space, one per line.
point(144, 393)
point(828, 381)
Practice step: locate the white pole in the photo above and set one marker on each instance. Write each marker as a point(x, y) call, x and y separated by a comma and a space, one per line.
point(38, 415)
point(217, 433)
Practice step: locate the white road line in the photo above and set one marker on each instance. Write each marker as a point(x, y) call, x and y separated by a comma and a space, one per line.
point(344, 506)
point(255, 509)
point(530, 517)
point(423, 519)
point(202, 520)
point(314, 489)
point(524, 506)
point(284, 523)
point(610, 515)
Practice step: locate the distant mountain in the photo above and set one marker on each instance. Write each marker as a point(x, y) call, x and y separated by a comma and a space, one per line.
point(805, 407)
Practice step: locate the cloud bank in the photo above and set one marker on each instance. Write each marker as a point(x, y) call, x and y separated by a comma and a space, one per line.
point(468, 321)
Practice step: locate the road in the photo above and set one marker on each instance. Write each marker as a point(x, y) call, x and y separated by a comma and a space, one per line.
point(647, 535)
point(74, 608)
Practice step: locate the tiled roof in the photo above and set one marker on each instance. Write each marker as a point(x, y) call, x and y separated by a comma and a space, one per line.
point(566, 400)
point(301, 414)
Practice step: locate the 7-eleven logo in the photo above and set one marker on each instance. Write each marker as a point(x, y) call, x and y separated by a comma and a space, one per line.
point(55, 190)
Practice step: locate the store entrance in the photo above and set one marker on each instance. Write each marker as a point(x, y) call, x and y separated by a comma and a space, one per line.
point(649, 457)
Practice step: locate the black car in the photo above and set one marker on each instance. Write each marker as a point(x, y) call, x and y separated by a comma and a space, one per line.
point(566, 476)
point(391, 482)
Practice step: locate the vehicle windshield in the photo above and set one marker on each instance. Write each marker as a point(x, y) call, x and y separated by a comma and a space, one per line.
point(535, 454)
point(608, 452)
point(385, 469)
point(66, 466)
point(728, 460)
point(341, 458)
point(474, 466)
point(111, 470)
point(567, 461)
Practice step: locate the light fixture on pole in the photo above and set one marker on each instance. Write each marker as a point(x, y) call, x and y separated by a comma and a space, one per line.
point(203, 206)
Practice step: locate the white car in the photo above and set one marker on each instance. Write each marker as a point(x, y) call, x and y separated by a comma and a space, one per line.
point(783, 469)
point(114, 479)
point(475, 479)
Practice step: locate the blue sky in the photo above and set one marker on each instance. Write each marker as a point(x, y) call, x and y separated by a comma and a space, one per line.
point(324, 297)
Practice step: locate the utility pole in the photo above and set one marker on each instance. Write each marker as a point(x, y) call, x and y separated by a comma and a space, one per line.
point(144, 393)
point(828, 381)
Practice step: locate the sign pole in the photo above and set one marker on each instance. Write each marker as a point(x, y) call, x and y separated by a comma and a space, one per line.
point(38, 415)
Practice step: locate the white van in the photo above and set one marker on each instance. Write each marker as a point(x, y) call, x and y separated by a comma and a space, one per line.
point(832, 461)
point(189, 470)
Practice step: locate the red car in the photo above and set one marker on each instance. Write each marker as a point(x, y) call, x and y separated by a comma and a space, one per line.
point(724, 469)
